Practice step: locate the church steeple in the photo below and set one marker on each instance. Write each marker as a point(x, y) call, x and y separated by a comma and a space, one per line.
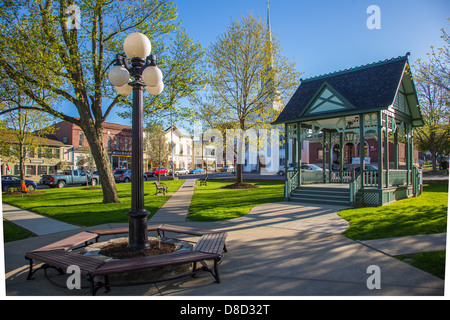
point(269, 28)
point(276, 101)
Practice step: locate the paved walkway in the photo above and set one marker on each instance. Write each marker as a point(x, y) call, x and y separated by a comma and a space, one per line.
point(278, 249)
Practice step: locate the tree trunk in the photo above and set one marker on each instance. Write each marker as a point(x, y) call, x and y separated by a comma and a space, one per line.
point(95, 140)
point(239, 176)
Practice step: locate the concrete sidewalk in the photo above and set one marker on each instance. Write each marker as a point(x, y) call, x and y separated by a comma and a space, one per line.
point(33, 222)
point(176, 209)
point(278, 249)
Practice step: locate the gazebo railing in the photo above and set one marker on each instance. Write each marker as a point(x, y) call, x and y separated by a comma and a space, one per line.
point(342, 176)
point(291, 181)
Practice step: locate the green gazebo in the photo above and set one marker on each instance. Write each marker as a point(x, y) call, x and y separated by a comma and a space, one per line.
point(377, 100)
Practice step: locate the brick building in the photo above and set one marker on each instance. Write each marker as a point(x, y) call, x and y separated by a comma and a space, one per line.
point(116, 138)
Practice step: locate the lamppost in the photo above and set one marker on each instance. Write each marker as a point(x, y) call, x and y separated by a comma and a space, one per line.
point(126, 78)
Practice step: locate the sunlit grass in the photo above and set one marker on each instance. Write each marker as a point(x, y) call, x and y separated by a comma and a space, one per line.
point(426, 214)
point(211, 203)
point(85, 208)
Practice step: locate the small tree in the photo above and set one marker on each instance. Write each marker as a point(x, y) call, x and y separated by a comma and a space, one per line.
point(248, 76)
point(24, 134)
point(433, 88)
point(434, 101)
point(156, 147)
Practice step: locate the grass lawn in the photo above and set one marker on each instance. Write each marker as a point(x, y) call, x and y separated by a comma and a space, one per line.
point(85, 208)
point(426, 214)
point(11, 232)
point(431, 262)
point(211, 203)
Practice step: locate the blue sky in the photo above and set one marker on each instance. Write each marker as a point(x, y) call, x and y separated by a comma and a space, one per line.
point(324, 36)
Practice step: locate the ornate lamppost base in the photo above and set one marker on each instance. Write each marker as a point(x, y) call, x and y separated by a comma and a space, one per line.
point(138, 236)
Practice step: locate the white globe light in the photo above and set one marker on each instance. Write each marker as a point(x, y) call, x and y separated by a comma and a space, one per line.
point(124, 90)
point(152, 75)
point(155, 90)
point(137, 45)
point(118, 76)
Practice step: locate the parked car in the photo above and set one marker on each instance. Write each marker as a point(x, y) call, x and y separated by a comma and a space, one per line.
point(161, 171)
point(181, 171)
point(311, 167)
point(196, 170)
point(68, 177)
point(227, 169)
point(367, 167)
point(124, 175)
point(281, 169)
point(14, 182)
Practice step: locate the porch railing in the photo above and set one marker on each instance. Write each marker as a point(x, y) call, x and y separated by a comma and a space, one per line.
point(391, 178)
point(291, 181)
point(357, 181)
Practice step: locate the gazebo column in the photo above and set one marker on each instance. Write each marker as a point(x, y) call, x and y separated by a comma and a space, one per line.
point(299, 152)
point(361, 148)
point(324, 155)
point(396, 148)
point(286, 161)
point(408, 179)
point(341, 151)
point(386, 149)
point(330, 157)
point(380, 157)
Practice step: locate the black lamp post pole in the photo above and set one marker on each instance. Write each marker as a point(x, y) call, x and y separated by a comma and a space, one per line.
point(138, 235)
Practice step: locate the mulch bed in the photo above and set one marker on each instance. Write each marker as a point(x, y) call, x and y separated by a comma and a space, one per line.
point(239, 185)
point(120, 249)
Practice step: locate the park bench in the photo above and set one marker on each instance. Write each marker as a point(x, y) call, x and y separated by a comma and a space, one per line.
point(204, 182)
point(59, 255)
point(160, 187)
point(59, 248)
point(113, 231)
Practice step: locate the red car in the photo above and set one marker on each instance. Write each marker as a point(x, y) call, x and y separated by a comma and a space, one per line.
point(161, 171)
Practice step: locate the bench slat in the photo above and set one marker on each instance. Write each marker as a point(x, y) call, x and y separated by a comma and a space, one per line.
point(186, 230)
point(104, 232)
point(211, 243)
point(70, 242)
point(63, 259)
point(134, 264)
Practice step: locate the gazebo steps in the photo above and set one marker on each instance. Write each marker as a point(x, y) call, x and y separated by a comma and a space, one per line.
point(322, 194)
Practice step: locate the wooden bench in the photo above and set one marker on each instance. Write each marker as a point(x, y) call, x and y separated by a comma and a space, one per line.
point(61, 260)
point(113, 231)
point(58, 255)
point(160, 187)
point(162, 260)
point(204, 182)
point(182, 229)
point(70, 243)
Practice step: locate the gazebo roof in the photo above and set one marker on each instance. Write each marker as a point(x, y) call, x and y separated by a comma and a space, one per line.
point(363, 89)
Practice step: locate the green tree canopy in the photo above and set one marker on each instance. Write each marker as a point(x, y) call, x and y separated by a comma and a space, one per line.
point(42, 49)
point(248, 78)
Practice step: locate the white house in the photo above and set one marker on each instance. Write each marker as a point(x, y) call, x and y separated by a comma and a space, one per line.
point(183, 153)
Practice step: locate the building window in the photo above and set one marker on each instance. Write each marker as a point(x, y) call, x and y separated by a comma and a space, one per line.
point(320, 154)
point(117, 143)
point(80, 139)
point(42, 170)
point(366, 152)
point(127, 146)
point(30, 170)
point(108, 143)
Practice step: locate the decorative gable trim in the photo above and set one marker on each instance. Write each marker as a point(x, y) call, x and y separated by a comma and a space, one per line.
point(326, 100)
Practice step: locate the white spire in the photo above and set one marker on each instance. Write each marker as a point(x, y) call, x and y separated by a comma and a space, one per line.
point(269, 28)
